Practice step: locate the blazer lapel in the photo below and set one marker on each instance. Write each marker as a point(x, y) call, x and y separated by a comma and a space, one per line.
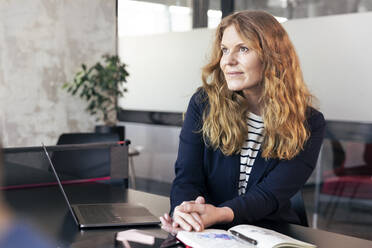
point(259, 167)
point(235, 172)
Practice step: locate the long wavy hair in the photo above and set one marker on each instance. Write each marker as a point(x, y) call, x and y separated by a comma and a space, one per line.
point(284, 101)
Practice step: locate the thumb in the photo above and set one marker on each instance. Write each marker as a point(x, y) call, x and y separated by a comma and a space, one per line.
point(200, 200)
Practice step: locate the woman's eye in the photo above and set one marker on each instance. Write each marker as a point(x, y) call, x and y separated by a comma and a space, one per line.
point(224, 50)
point(244, 49)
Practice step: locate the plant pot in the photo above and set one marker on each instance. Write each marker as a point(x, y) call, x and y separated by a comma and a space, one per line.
point(120, 130)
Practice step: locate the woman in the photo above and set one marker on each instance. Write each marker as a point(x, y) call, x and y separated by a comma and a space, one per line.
point(250, 137)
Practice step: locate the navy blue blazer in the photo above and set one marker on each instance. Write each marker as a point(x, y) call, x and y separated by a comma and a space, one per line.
point(202, 171)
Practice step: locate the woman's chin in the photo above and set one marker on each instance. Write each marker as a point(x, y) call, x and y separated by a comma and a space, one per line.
point(234, 88)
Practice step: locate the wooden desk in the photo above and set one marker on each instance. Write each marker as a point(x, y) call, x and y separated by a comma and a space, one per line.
point(322, 239)
point(46, 208)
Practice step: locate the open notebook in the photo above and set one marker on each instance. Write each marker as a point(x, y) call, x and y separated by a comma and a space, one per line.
point(241, 236)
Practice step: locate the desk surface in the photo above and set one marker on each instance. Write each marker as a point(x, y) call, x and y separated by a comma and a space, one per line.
point(45, 207)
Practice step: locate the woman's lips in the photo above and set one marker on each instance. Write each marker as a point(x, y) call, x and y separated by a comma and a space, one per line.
point(234, 73)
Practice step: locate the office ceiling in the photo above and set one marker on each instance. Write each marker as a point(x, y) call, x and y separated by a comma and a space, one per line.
point(306, 8)
point(287, 8)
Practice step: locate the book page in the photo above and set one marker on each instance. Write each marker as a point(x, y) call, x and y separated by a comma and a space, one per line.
point(268, 238)
point(211, 238)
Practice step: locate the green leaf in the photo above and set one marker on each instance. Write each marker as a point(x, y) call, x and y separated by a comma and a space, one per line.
point(100, 85)
point(65, 85)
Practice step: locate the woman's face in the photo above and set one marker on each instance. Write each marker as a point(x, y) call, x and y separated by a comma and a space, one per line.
point(241, 66)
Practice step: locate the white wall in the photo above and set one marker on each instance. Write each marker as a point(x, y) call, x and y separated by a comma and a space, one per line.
point(164, 69)
point(336, 58)
point(335, 53)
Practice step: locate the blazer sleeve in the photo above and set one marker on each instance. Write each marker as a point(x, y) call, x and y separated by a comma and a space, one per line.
point(189, 182)
point(277, 186)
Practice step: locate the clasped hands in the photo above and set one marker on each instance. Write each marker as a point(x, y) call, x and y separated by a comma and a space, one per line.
point(195, 215)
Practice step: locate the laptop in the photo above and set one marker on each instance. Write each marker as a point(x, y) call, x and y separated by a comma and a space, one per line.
point(105, 214)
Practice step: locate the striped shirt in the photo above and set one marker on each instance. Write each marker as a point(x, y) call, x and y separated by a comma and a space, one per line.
point(250, 149)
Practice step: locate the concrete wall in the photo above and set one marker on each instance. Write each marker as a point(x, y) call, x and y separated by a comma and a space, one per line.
point(42, 45)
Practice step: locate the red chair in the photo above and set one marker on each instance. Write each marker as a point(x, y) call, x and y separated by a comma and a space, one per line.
point(351, 182)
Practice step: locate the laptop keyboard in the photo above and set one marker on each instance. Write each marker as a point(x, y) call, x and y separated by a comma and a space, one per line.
point(98, 213)
point(110, 213)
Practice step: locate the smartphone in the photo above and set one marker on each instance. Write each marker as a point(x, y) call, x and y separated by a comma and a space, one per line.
point(172, 242)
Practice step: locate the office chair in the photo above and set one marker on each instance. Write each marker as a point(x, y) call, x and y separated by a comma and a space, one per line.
point(342, 180)
point(347, 181)
point(92, 163)
point(24, 166)
point(298, 205)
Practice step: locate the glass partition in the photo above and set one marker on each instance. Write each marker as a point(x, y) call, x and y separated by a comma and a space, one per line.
point(80, 163)
point(341, 200)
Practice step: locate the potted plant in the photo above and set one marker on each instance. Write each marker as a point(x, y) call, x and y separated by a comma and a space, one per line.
point(101, 85)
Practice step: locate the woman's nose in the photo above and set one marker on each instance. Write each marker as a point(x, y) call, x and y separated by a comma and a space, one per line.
point(230, 58)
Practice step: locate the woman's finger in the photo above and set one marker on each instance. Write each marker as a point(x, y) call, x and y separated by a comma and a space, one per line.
point(189, 208)
point(167, 226)
point(200, 200)
point(186, 202)
point(163, 221)
point(188, 219)
point(167, 217)
point(178, 219)
point(171, 229)
point(196, 216)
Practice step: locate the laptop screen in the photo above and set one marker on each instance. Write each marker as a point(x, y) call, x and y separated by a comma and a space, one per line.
point(29, 167)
